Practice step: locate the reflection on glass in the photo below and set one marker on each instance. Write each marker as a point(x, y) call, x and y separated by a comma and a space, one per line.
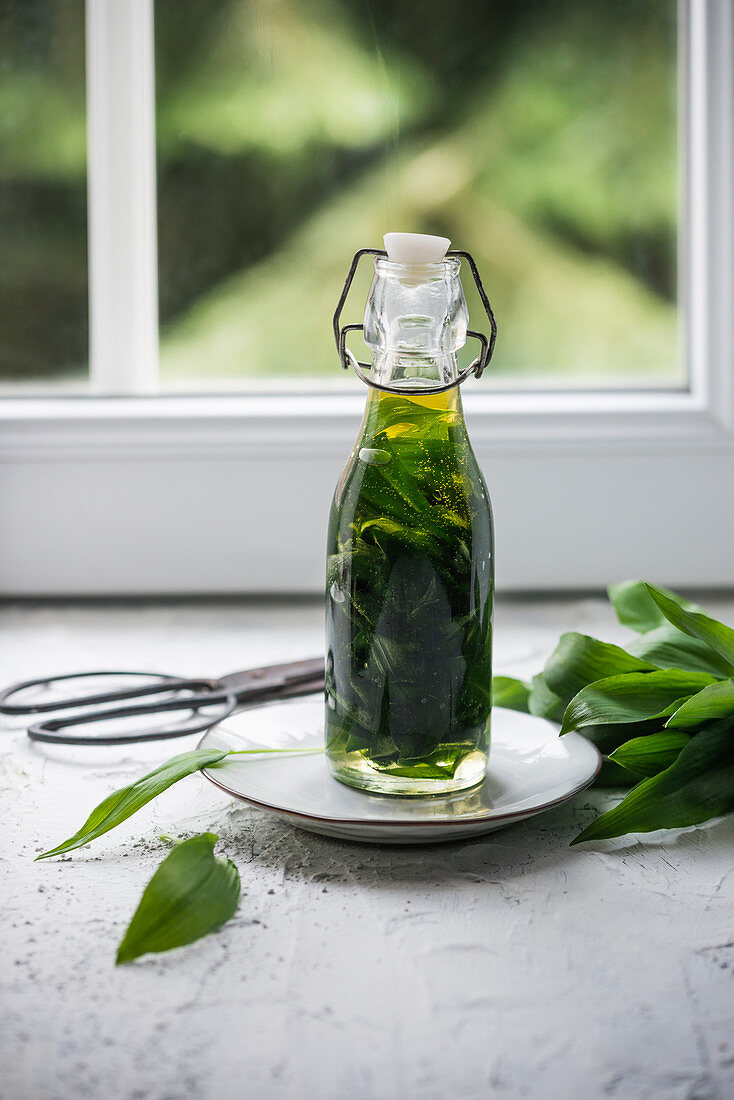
point(541, 135)
point(43, 194)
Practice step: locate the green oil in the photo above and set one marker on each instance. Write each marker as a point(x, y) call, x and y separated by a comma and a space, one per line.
point(409, 603)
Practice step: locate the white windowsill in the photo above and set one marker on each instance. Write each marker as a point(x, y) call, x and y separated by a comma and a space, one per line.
point(622, 421)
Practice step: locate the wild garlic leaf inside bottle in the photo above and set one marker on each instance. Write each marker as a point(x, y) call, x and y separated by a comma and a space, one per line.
point(410, 549)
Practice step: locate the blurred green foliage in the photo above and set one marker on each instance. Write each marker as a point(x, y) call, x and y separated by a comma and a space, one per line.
point(539, 134)
point(43, 201)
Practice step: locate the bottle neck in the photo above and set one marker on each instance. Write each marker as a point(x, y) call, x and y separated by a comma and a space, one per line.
point(411, 369)
point(415, 322)
point(391, 419)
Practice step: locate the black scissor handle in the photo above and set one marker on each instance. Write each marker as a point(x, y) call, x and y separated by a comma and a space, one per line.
point(166, 683)
point(49, 729)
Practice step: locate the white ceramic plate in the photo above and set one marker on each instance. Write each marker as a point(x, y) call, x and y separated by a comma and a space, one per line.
point(531, 769)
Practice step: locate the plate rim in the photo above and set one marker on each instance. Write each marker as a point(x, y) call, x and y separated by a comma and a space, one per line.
point(397, 824)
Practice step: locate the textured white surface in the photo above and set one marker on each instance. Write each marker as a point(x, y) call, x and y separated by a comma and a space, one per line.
point(508, 966)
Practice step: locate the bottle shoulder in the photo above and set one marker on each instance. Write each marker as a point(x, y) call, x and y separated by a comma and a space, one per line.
point(416, 478)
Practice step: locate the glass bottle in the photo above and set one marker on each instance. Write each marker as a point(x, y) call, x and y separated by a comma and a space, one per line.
point(410, 546)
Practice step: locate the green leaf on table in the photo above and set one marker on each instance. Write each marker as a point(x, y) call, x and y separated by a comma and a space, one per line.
point(542, 702)
point(579, 660)
point(510, 693)
point(635, 607)
point(122, 804)
point(652, 754)
point(699, 785)
point(609, 737)
point(190, 895)
point(632, 697)
point(668, 647)
point(715, 634)
point(710, 704)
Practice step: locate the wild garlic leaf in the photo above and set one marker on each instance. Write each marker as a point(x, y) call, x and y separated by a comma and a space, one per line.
point(190, 895)
point(715, 634)
point(635, 607)
point(709, 705)
point(510, 693)
point(609, 737)
point(579, 660)
point(668, 647)
point(542, 702)
point(631, 697)
point(699, 785)
point(122, 804)
point(649, 755)
point(614, 775)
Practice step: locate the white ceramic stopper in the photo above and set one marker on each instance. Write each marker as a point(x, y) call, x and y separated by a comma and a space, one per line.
point(415, 248)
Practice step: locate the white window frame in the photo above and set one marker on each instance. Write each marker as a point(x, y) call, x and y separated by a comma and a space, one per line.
point(126, 492)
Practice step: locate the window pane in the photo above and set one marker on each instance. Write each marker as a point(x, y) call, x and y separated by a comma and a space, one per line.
point(43, 195)
point(541, 136)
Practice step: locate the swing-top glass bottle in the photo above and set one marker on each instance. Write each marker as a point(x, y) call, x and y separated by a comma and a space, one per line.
point(410, 545)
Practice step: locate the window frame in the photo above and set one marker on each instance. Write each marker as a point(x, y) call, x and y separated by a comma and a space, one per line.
point(588, 486)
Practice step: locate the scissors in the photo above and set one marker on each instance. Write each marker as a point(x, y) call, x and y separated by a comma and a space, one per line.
point(218, 698)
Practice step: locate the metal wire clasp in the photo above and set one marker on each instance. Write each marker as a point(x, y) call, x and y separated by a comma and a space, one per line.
point(347, 358)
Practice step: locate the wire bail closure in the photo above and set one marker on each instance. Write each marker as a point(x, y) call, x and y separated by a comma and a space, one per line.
point(347, 358)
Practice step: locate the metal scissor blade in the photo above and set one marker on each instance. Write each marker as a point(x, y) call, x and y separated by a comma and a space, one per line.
point(253, 682)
